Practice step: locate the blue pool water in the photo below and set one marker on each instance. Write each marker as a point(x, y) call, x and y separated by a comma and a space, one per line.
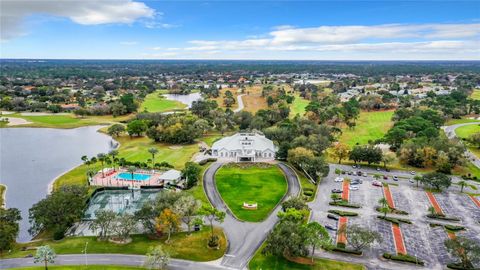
point(136, 176)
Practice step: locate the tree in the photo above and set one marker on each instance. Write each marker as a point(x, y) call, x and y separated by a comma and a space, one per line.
point(128, 100)
point(367, 153)
point(153, 151)
point(297, 203)
point(114, 153)
point(103, 222)
point(475, 139)
point(384, 208)
point(59, 210)
point(191, 172)
point(157, 258)
point(387, 158)
point(136, 128)
point(317, 236)
point(340, 151)
point(116, 130)
point(123, 226)
point(335, 197)
point(288, 238)
point(360, 238)
point(462, 184)
point(465, 249)
point(169, 221)
point(187, 207)
point(417, 179)
point(102, 158)
point(45, 254)
point(212, 214)
point(436, 180)
point(9, 228)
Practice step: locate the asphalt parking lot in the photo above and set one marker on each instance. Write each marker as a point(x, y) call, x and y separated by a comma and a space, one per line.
point(420, 239)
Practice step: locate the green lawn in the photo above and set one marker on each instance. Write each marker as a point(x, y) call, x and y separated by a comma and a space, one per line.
point(475, 94)
point(66, 120)
point(211, 138)
point(298, 106)
point(466, 131)
point(80, 267)
point(460, 121)
point(182, 246)
point(155, 102)
point(263, 184)
point(370, 126)
point(306, 183)
point(197, 191)
point(260, 262)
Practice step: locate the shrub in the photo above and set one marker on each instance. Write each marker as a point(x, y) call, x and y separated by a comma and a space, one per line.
point(213, 241)
point(393, 211)
point(58, 234)
point(341, 245)
point(395, 220)
point(454, 228)
point(457, 266)
point(403, 258)
point(343, 213)
point(344, 204)
point(205, 161)
point(443, 217)
point(308, 193)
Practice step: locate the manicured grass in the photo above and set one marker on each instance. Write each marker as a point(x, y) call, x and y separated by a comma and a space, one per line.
point(197, 191)
point(210, 139)
point(262, 184)
point(298, 106)
point(261, 261)
point(80, 267)
point(155, 102)
point(370, 126)
point(467, 131)
point(182, 246)
point(460, 121)
point(3, 189)
point(475, 94)
point(66, 120)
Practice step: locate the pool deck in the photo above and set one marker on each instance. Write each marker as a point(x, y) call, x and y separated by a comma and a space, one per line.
point(109, 179)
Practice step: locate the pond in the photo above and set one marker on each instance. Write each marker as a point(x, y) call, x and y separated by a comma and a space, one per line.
point(185, 99)
point(31, 158)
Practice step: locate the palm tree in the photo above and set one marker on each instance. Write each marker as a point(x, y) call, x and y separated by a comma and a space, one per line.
point(462, 184)
point(153, 151)
point(417, 178)
point(132, 170)
point(101, 157)
point(384, 206)
point(114, 154)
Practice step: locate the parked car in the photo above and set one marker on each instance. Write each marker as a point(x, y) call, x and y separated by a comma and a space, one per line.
point(339, 179)
point(412, 172)
point(355, 187)
point(359, 173)
point(330, 227)
point(385, 177)
point(354, 166)
point(356, 181)
point(395, 178)
point(330, 216)
point(378, 169)
point(411, 181)
point(365, 174)
point(336, 190)
point(349, 173)
point(377, 183)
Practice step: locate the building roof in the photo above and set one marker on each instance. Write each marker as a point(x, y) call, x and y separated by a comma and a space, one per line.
point(170, 175)
point(244, 140)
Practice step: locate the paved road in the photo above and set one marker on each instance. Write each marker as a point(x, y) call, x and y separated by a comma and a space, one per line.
point(244, 238)
point(108, 259)
point(450, 131)
point(240, 103)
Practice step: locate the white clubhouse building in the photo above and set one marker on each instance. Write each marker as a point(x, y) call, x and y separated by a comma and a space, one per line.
point(244, 146)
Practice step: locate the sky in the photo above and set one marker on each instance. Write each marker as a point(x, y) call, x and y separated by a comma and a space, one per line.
point(283, 30)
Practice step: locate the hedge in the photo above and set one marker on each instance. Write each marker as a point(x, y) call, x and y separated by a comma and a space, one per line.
point(348, 251)
point(393, 211)
point(395, 220)
point(443, 217)
point(205, 161)
point(344, 204)
point(343, 213)
point(330, 216)
point(403, 258)
point(454, 228)
point(308, 193)
point(457, 266)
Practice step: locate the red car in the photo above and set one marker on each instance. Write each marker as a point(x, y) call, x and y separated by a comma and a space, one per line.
point(377, 183)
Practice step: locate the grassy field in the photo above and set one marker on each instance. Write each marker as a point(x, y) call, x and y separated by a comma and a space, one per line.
point(3, 189)
point(182, 246)
point(298, 106)
point(253, 100)
point(460, 121)
point(155, 102)
point(475, 94)
point(80, 267)
point(370, 126)
point(466, 131)
point(66, 120)
point(260, 261)
point(264, 185)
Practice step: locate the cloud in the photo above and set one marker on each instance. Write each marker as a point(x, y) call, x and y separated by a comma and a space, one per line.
point(128, 43)
point(84, 12)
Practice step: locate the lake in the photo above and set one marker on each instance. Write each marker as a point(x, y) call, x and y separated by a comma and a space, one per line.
point(30, 158)
point(185, 99)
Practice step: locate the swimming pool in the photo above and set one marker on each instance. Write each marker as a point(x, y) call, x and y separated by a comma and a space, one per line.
point(136, 176)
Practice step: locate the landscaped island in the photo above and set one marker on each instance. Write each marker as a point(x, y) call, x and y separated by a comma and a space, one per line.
point(263, 184)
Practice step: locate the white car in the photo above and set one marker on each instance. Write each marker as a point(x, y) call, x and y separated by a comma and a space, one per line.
point(353, 187)
point(339, 179)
